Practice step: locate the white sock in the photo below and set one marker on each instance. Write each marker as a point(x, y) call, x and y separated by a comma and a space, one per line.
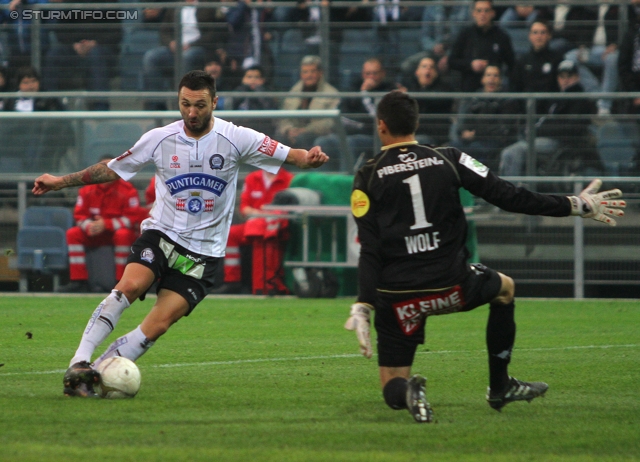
point(102, 322)
point(131, 346)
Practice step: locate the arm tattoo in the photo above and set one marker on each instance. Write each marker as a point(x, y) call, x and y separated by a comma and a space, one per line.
point(97, 173)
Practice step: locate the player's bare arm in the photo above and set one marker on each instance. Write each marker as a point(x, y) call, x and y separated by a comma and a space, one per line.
point(301, 158)
point(97, 173)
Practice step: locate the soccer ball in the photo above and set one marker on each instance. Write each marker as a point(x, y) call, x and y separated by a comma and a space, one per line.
point(119, 378)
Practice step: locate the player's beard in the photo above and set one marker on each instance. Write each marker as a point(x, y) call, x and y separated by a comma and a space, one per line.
point(199, 128)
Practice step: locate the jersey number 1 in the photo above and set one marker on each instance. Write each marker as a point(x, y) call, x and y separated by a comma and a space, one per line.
point(418, 202)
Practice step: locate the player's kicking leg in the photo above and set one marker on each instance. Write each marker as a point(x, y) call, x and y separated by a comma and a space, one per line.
point(80, 378)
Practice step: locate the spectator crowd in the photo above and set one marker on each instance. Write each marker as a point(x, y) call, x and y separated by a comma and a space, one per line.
point(479, 47)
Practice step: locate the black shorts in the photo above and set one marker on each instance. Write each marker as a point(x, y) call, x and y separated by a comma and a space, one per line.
point(176, 268)
point(400, 317)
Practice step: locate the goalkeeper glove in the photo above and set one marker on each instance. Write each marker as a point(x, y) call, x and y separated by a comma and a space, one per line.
point(359, 321)
point(592, 204)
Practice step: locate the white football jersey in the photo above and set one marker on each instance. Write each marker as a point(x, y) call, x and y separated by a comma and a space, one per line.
point(196, 180)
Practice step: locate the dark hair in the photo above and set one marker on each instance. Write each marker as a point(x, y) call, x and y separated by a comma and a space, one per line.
point(374, 59)
point(497, 66)
point(399, 112)
point(544, 22)
point(488, 1)
point(198, 80)
point(255, 67)
point(27, 72)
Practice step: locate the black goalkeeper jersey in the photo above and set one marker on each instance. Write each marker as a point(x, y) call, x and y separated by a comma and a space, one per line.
point(411, 224)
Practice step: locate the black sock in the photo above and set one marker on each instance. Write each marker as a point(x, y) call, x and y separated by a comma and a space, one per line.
point(395, 393)
point(501, 335)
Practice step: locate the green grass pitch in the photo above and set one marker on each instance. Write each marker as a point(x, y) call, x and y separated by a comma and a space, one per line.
point(279, 379)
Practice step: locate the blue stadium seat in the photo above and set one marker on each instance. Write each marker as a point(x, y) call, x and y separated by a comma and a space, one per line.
point(135, 42)
point(109, 138)
point(519, 39)
point(4, 48)
point(60, 217)
point(407, 42)
point(291, 51)
point(42, 243)
point(356, 46)
point(617, 145)
point(41, 249)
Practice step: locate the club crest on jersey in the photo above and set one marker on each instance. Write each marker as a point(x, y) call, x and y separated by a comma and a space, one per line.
point(196, 180)
point(147, 255)
point(216, 162)
point(194, 204)
point(411, 313)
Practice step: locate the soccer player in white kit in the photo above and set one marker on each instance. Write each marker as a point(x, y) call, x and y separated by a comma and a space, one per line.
point(184, 239)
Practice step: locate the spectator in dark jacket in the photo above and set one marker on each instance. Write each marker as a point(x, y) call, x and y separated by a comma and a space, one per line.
point(559, 141)
point(86, 48)
point(537, 70)
point(29, 81)
point(373, 79)
point(203, 30)
point(629, 59)
point(254, 80)
point(479, 45)
point(486, 125)
point(592, 38)
point(360, 113)
point(19, 32)
point(248, 41)
point(432, 130)
point(41, 143)
point(629, 69)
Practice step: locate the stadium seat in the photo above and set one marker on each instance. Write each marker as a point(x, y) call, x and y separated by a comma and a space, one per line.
point(4, 48)
point(109, 138)
point(60, 217)
point(42, 243)
point(617, 145)
point(519, 40)
point(291, 51)
point(34, 147)
point(356, 46)
point(41, 249)
point(135, 42)
point(407, 42)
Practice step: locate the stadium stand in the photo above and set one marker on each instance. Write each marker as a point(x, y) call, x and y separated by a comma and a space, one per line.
point(135, 42)
point(617, 145)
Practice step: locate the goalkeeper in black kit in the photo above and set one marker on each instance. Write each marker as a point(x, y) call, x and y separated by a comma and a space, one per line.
point(413, 260)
